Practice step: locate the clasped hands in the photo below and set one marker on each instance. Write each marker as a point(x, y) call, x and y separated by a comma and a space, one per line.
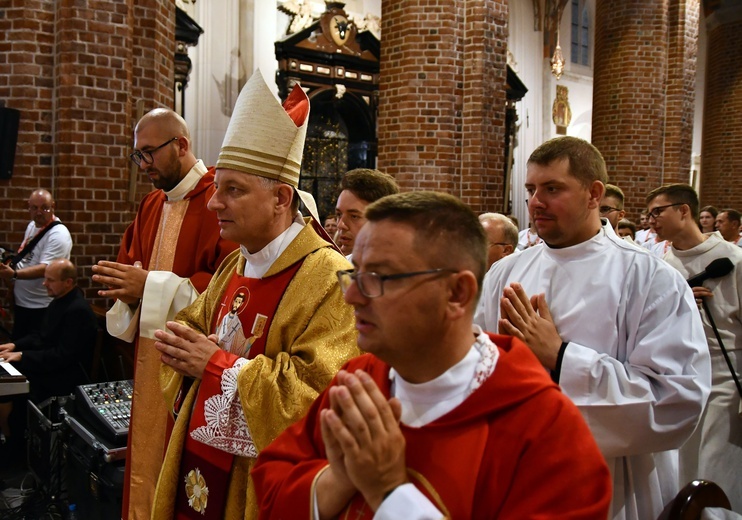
point(364, 444)
point(530, 320)
point(125, 282)
point(185, 350)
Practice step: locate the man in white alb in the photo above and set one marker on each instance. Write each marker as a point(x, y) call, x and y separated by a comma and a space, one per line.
point(618, 329)
point(714, 451)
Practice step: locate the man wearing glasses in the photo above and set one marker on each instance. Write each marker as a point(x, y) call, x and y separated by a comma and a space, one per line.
point(502, 236)
point(714, 451)
point(617, 328)
point(438, 419)
point(167, 256)
point(46, 239)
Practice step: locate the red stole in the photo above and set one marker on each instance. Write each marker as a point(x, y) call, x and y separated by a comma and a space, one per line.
point(242, 323)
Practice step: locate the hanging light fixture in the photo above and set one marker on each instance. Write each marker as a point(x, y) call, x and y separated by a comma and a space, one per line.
point(557, 61)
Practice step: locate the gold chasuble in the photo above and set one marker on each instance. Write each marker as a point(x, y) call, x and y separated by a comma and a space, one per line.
point(309, 337)
point(149, 413)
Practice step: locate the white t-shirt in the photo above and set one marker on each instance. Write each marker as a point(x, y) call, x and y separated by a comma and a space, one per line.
point(56, 243)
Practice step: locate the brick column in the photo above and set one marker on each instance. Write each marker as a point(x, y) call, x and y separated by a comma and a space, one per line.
point(681, 89)
point(442, 97)
point(26, 84)
point(75, 71)
point(721, 160)
point(629, 94)
point(483, 115)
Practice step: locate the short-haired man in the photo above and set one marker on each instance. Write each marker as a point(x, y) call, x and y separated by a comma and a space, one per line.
point(611, 207)
point(618, 328)
point(167, 256)
point(359, 188)
point(376, 442)
point(331, 225)
point(233, 395)
point(714, 451)
point(46, 238)
point(502, 236)
point(727, 223)
point(626, 229)
point(643, 232)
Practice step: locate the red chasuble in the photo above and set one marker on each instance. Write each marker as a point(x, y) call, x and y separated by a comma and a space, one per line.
point(246, 312)
point(515, 448)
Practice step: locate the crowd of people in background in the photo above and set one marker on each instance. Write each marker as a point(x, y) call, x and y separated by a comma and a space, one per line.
point(403, 357)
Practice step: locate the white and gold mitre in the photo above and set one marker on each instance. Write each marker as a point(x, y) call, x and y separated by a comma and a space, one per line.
point(264, 138)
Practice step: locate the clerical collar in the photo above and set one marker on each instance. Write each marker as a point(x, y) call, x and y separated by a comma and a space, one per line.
point(258, 263)
point(425, 402)
point(584, 249)
point(188, 182)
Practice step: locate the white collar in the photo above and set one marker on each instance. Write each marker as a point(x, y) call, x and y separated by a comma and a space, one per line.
point(188, 182)
point(425, 402)
point(258, 263)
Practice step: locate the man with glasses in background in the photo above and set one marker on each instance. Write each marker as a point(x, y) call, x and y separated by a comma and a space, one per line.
point(611, 206)
point(359, 188)
point(502, 236)
point(435, 400)
point(46, 239)
point(167, 257)
point(714, 451)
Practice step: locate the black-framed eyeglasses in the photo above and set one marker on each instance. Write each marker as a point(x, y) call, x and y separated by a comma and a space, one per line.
point(498, 244)
point(656, 212)
point(607, 209)
point(371, 284)
point(139, 156)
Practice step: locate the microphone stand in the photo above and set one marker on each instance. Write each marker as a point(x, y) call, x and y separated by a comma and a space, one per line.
point(721, 345)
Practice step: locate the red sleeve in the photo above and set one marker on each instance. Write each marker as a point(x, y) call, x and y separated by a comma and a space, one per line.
point(285, 470)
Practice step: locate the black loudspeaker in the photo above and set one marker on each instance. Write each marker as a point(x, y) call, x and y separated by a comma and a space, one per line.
point(9, 119)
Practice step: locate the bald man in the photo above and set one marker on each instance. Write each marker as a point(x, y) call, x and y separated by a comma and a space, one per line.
point(502, 236)
point(46, 238)
point(57, 355)
point(166, 259)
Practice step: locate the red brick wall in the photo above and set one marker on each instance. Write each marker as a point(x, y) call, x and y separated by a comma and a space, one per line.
point(721, 155)
point(75, 71)
point(629, 94)
point(442, 97)
point(483, 115)
point(681, 89)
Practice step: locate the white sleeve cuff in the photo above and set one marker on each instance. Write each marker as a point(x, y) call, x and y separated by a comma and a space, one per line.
point(165, 295)
point(122, 322)
point(407, 503)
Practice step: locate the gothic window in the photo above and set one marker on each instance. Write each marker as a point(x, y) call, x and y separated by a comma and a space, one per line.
point(580, 53)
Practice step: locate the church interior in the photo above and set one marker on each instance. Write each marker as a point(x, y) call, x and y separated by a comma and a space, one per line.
point(445, 96)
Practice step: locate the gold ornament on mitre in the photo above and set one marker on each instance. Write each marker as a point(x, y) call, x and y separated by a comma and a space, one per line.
point(265, 138)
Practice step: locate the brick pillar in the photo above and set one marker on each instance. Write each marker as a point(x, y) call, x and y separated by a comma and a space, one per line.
point(629, 94)
point(434, 134)
point(483, 115)
point(721, 160)
point(75, 71)
point(681, 89)
point(26, 72)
